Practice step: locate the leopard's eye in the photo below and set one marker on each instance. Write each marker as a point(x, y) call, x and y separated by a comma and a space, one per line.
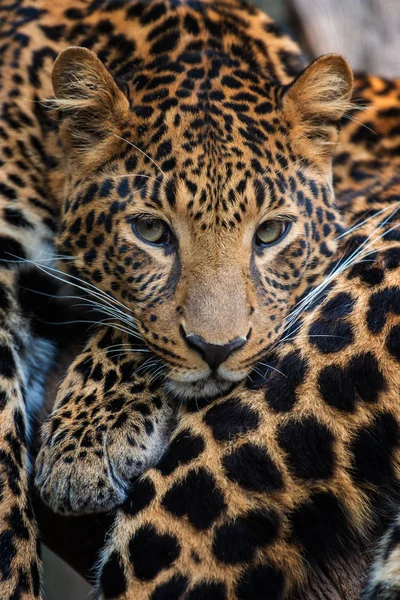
point(271, 232)
point(152, 231)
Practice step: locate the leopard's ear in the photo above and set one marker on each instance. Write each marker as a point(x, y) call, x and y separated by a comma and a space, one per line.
point(91, 105)
point(315, 101)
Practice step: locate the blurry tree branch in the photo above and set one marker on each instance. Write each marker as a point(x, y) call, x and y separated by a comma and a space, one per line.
point(366, 32)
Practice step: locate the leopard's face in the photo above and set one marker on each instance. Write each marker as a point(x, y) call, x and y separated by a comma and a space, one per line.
point(207, 227)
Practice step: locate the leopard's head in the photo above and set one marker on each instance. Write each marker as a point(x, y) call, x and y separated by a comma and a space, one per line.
point(201, 199)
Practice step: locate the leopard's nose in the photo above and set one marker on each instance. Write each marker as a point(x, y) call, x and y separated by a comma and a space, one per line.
point(214, 354)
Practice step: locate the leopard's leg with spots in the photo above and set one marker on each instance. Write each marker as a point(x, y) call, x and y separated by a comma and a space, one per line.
point(19, 557)
point(25, 358)
point(108, 425)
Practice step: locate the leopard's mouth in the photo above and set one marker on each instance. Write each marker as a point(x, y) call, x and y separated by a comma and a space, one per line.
point(209, 385)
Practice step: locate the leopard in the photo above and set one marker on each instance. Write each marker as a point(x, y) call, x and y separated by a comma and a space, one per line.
point(187, 180)
point(299, 465)
point(185, 273)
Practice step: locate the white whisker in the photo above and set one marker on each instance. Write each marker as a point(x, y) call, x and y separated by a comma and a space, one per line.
point(139, 150)
point(343, 264)
point(358, 225)
point(270, 367)
point(134, 175)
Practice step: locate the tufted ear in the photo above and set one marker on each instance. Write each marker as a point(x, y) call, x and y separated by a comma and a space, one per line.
point(91, 105)
point(317, 99)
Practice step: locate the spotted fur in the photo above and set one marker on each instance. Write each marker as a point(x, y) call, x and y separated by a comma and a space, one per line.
point(189, 111)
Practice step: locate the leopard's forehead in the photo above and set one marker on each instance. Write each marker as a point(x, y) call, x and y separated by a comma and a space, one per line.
point(219, 199)
point(218, 136)
point(212, 155)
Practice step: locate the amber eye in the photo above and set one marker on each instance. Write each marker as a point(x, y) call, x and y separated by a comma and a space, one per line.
point(271, 232)
point(152, 231)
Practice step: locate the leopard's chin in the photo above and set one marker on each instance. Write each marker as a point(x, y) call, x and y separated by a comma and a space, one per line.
point(208, 386)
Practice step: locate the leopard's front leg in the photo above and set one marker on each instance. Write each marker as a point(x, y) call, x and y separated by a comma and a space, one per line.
point(108, 425)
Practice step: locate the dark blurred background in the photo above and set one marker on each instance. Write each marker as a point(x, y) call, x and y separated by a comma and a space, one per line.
point(367, 32)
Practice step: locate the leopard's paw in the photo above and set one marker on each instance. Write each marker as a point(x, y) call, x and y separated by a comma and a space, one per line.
point(90, 470)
